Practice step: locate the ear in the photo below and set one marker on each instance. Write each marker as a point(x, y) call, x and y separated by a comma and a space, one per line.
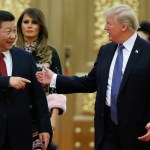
point(124, 27)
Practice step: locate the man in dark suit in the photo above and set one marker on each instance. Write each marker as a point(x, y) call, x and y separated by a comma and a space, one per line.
point(19, 89)
point(122, 107)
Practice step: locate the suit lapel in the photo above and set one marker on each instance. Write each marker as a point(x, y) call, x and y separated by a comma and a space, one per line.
point(109, 53)
point(135, 54)
point(14, 61)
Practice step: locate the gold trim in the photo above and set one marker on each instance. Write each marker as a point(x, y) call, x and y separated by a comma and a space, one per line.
point(15, 6)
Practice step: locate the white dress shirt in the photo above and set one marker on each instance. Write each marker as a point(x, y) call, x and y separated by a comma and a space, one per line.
point(8, 61)
point(126, 53)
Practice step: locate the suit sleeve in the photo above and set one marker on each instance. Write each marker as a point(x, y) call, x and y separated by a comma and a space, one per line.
point(4, 82)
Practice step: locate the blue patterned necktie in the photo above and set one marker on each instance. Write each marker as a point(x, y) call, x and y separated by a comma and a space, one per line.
point(116, 81)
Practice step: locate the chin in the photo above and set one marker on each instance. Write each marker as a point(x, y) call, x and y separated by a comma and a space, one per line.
point(9, 47)
point(110, 39)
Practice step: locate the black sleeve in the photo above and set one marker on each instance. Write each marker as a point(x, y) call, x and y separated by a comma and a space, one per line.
point(55, 67)
point(55, 64)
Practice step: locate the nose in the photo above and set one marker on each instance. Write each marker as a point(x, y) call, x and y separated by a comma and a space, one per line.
point(13, 35)
point(29, 24)
point(105, 27)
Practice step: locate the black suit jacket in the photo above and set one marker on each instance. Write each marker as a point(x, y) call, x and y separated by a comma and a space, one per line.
point(134, 95)
point(15, 111)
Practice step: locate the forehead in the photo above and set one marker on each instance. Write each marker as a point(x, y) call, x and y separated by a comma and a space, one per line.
point(111, 18)
point(27, 16)
point(8, 24)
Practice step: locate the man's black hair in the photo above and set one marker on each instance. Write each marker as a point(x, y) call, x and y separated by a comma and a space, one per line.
point(6, 16)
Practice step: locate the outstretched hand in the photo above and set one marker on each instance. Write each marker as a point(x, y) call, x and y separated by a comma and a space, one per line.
point(44, 76)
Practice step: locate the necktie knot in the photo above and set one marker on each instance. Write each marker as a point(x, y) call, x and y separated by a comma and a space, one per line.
point(3, 70)
point(2, 55)
point(121, 47)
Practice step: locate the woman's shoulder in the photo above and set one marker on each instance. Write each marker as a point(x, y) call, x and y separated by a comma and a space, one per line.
point(52, 48)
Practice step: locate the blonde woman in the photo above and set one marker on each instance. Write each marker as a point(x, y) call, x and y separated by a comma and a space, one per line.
point(33, 37)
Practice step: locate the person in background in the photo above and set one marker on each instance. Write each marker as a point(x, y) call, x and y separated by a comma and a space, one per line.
point(144, 30)
point(33, 37)
point(121, 78)
point(18, 89)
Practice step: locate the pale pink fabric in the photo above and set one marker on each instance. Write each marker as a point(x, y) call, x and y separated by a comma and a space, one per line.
point(57, 101)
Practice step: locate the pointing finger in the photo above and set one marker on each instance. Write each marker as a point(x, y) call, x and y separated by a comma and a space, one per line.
point(26, 80)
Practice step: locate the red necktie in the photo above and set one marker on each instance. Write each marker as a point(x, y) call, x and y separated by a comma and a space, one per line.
point(3, 71)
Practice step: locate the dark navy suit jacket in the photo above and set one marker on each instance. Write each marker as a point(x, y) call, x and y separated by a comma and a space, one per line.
point(134, 96)
point(15, 111)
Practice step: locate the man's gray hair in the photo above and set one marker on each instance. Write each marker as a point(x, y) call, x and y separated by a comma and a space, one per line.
point(124, 15)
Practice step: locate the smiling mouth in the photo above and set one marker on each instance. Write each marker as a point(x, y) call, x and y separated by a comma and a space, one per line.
point(10, 43)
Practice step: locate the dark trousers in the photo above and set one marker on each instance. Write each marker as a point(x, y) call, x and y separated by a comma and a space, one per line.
point(6, 145)
point(121, 137)
point(111, 140)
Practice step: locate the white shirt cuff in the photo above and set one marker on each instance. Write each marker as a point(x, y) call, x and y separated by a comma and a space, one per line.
point(53, 81)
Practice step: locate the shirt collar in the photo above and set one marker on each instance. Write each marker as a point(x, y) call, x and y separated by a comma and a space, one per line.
point(7, 54)
point(130, 42)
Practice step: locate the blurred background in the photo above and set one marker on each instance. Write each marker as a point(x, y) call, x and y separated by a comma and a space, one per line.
point(76, 30)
